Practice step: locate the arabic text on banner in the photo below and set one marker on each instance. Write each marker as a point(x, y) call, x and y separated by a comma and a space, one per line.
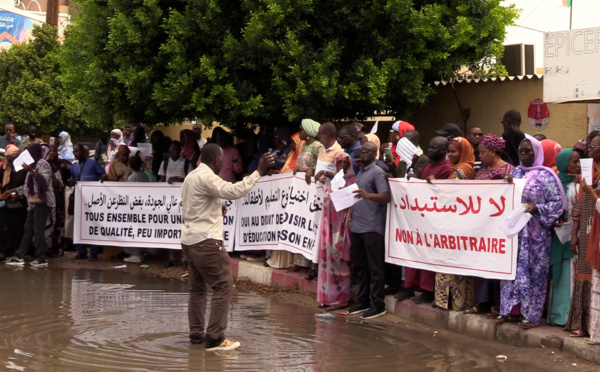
point(452, 227)
point(128, 214)
point(281, 212)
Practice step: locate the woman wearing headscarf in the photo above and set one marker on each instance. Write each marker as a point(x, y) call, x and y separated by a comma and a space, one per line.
point(487, 291)
point(14, 209)
point(283, 259)
point(119, 170)
point(139, 135)
point(333, 288)
point(65, 147)
point(189, 147)
point(593, 258)
point(40, 197)
point(457, 290)
point(544, 198)
point(116, 139)
point(462, 159)
point(307, 160)
point(567, 164)
point(578, 321)
point(551, 150)
point(296, 147)
point(160, 150)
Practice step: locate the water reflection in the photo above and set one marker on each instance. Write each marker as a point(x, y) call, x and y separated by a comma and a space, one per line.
point(56, 320)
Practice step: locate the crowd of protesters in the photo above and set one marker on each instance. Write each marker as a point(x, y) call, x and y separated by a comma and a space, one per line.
point(559, 282)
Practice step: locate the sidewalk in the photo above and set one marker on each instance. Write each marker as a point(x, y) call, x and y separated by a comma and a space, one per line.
point(473, 325)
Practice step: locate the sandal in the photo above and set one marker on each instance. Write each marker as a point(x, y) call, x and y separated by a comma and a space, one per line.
point(577, 333)
point(501, 319)
point(590, 342)
point(526, 324)
point(473, 310)
point(336, 307)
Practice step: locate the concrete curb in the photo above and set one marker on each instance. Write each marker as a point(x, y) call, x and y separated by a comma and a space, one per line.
point(477, 326)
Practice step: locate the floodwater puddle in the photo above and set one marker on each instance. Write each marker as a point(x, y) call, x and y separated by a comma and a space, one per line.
point(94, 320)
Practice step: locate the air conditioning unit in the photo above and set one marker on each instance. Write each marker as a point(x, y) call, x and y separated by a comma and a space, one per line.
point(518, 59)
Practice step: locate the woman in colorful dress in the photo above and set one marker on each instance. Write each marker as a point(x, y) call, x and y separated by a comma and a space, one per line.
point(333, 289)
point(456, 291)
point(487, 291)
point(544, 198)
point(561, 256)
point(579, 313)
point(307, 162)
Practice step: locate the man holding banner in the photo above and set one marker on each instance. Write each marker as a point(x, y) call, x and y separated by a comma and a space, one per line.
point(202, 242)
point(367, 229)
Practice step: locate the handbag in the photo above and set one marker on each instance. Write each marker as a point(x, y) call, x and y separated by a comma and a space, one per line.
point(71, 209)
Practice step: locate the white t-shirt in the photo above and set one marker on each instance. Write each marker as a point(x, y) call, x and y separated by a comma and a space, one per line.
point(175, 168)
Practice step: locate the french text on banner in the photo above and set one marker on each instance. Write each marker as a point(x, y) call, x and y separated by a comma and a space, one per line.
point(452, 227)
point(281, 212)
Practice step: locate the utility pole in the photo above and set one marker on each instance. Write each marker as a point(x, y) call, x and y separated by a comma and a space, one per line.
point(52, 12)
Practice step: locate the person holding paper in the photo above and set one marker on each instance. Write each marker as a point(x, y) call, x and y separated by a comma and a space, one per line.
point(419, 159)
point(561, 256)
point(40, 197)
point(333, 289)
point(14, 210)
point(544, 198)
point(417, 279)
point(325, 169)
point(593, 258)
point(347, 138)
point(396, 132)
point(367, 227)
point(582, 238)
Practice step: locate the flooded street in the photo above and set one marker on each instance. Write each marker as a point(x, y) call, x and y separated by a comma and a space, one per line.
point(99, 320)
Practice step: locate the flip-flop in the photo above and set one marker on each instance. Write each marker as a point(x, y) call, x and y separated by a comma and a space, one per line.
point(590, 342)
point(576, 334)
point(526, 324)
point(501, 319)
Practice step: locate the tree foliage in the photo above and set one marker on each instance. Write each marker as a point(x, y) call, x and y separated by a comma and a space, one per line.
point(271, 62)
point(31, 90)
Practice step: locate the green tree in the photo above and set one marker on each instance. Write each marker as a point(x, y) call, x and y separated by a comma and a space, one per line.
point(31, 90)
point(273, 62)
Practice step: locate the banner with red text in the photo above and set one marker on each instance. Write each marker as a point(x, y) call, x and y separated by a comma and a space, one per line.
point(129, 214)
point(281, 212)
point(452, 227)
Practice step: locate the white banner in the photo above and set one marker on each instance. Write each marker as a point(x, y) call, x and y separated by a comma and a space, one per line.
point(281, 212)
point(452, 227)
point(131, 214)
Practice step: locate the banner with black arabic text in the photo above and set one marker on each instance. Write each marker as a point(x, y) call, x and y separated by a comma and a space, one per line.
point(281, 212)
point(128, 214)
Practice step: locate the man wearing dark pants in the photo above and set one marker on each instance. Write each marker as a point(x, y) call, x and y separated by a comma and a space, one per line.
point(202, 243)
point(367, 228)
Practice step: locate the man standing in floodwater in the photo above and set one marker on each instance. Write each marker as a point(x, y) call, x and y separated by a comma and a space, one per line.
point(202, 243)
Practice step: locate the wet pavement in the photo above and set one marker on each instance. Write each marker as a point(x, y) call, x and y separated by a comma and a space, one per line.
point(99, 320)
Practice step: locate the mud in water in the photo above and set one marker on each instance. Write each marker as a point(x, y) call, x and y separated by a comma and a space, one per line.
point(99, 320)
